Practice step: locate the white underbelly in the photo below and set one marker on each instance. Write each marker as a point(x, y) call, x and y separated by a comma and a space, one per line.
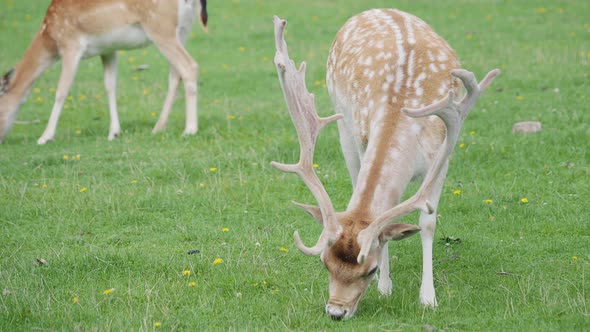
point(126, 38)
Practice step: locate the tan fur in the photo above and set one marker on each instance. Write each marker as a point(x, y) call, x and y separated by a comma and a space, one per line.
point(65, 29)
point(364, 66)
point(393, 83)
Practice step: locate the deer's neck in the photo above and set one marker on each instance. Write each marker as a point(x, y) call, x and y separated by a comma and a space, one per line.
point(40, 55)
point(389, 162)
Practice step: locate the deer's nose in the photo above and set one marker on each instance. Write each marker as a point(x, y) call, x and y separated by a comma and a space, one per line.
point(336, 313)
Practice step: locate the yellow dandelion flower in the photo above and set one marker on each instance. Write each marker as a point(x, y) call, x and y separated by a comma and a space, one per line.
point(242, 48)
point(488, 201)
point(469, 36)
point(82, 97)
point(231, 117)
point(69, 98)
point(519, 97)
point(135, 78)
point(78, 131)
point(133, 181)
point(157, 324)
point(37, 90)
point(225, 229)
point(317, 83)
point(39, 100)
point(316, 166)
point(574, 257)
point(108, 291)
point(524, 200)
point(472, 132)
point(75, 300)
point(186, 273)
point(462, 145)
point(192, 284)
point(76, 157)
point(541, 10)
point(146, 92)
point(217, 261)
point(83, 189)
point(131, 59)
point(283, 249)
point(66, 157)
point(44, 186)
point(201, 185)
point(213, 169)
point(457, 192)
point(225, 66)
point(153, 114)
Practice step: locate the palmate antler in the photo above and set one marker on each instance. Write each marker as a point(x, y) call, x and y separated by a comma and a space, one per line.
point(308, 124)
point(453, 115)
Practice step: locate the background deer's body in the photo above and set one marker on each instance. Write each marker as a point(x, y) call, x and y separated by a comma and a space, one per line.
point(73, 30)
point(388, 74)
point(381, 61)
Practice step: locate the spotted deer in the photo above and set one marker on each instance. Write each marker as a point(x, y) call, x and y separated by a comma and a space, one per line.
point(73, 30)
point(393, 83)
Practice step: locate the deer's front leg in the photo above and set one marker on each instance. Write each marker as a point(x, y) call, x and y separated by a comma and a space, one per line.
point(384, 284)
point(428, 226)
point(109, 62)
point(70, 61)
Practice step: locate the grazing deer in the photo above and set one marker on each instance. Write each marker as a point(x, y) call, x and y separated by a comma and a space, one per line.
point(393, 83)
point(73, 30)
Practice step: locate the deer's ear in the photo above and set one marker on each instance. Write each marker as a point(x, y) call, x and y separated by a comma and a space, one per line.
point(5, 81)
point(398, 232)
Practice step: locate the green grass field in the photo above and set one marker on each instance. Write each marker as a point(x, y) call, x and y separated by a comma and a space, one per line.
point(114, 220)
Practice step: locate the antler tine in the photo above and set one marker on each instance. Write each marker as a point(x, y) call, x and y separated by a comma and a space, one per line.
point(453, 115)
point(308, 125)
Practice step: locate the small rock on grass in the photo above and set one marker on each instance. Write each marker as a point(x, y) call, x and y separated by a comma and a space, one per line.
point(526, 127)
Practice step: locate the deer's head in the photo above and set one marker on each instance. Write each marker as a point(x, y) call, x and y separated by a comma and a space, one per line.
point(8, 106)
point(349, 279)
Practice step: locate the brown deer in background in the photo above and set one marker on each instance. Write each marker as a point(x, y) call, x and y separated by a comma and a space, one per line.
point(73, 30)
point(393, 83)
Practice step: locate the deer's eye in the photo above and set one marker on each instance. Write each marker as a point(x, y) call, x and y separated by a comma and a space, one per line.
point(372, 272)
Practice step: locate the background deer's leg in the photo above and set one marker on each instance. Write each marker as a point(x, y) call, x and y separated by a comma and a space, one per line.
point(183, 63)
point(109, 63)
point(173, 83)
point(70, 62)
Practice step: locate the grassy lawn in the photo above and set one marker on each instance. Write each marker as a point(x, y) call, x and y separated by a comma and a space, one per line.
point(114, 221)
